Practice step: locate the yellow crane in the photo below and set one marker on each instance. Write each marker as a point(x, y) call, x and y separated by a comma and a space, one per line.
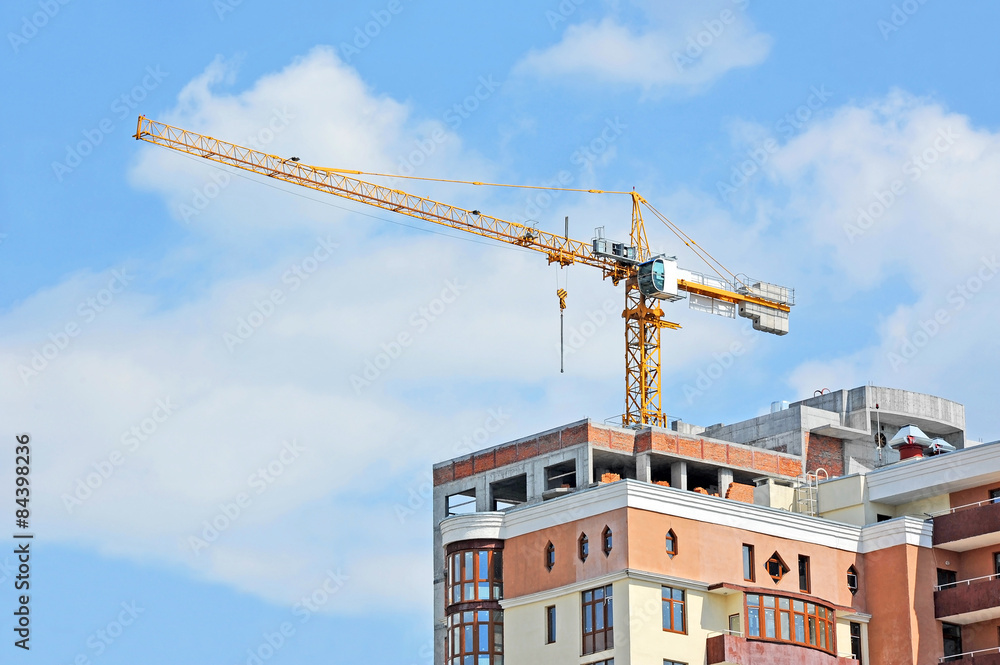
point(648, 279)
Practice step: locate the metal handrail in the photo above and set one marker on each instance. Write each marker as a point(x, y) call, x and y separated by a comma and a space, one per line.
point(948, 659)
point(950, 511)
point(737, 633)
point(949, 585)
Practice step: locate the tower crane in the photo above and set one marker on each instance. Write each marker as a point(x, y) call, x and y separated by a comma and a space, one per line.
point(649, 280)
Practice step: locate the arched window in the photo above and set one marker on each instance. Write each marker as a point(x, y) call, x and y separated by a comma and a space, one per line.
point(606, 540)
point(671, 543)
point(550, 555)
point(584, 547)
point(852, 579)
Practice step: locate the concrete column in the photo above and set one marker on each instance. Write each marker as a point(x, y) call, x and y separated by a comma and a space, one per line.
point(679, 475)
point(584, 469)
point(644, 467)
point(725, 480)
point(537, 482)
point(482, 495)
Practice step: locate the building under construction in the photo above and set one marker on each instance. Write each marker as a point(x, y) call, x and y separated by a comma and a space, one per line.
point(855, 526)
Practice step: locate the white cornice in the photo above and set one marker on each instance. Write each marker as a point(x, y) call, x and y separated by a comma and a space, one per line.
point(604, 580)
point(688, 505)
point(943, 474)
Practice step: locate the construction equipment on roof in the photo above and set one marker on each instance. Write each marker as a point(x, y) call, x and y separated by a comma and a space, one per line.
point(649, 280)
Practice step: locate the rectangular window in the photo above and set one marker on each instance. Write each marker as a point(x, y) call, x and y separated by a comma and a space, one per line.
point(995, 496)
point(803, 574)
point(673, 662)
point(735, 625)
point(952, 635)
point(856, 641)
point(598, 620)
point(550, 624)
point(673, 610)
point(748, 572)
point(946, 578)
point(996, 563)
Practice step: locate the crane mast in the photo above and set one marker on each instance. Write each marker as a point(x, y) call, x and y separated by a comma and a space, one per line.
point(648, 280)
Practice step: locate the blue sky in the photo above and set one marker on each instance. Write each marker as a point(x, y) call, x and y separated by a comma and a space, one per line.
point(849, 150)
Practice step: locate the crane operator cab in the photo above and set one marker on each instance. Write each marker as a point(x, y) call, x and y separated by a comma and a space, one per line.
point(658, 278)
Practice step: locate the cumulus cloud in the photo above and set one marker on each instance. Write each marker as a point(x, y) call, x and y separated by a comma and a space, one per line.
point(671, 45)
point(897, 198)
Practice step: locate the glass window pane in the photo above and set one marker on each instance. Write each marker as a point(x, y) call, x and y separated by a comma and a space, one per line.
point(607, 591)
point(785, 626)
point(598, 594)
point(753, 599)
point(587, 596)
point(822, 634)
point(769, 623)
point(484, 591)
point(470, 590)
point(753, 616)
point(800, 629)
point(609, 608)
point(783, 603)
point(468, 565)
point(812, 631)
point(678, 617)
point(666, 615)
point(484, 565)
point(768, 601)
point(798, 605)
point(599, 619)
point(483, 646)
point(588, 619)
point(468, 645)
point(468, 617)
point(678, 594)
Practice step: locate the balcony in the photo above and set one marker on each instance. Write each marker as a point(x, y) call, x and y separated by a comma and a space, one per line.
point(968, 527)
point(981, 657)
point(968, 601)
point(734, 650)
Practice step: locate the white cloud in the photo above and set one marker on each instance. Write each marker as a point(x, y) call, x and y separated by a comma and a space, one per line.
point(900, 192)
point(675, 45)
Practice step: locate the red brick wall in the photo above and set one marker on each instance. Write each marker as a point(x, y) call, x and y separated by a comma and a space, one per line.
point(740, 492)
point(824, 452)
point(825, 449)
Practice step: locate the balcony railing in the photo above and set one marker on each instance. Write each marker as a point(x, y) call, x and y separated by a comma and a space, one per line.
point(989, 656)
point(968, 601)
point(969, 526)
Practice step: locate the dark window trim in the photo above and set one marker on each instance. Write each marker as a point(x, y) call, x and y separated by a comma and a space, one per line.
point(607, 540)
point(750, 567)
point(783, 568)
point(583, 547)
point(852, 571)
point(550, 624)
point(590, 609)
point(805, 574)
point(550, 556)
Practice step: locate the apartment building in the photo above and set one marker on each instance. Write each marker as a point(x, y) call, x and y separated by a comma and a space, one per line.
point(831, 530)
